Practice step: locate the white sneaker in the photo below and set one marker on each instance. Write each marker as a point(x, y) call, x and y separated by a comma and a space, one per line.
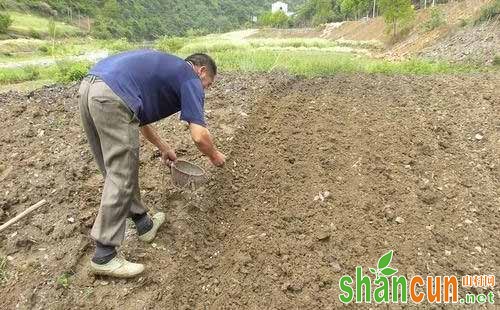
point(158, 219)
point(117, 267)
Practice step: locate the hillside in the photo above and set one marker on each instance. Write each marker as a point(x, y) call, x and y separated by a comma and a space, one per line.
point(149, 19)
point(37, 27)
point(478, 44)
point(457, 37)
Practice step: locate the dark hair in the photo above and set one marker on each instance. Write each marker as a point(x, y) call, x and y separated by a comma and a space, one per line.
point(200, 60)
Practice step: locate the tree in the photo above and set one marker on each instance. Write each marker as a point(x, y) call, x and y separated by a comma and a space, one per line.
point(355, 8)
point(323, 13)
point(5, 22)
point(149, 19)
point(110, 23)
point(397, 13)
point(315, 12)
point(111, 9)
point(278, 19)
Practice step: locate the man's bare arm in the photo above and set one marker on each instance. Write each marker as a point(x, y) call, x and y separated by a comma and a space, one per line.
point(203, 140)
point(152, 136)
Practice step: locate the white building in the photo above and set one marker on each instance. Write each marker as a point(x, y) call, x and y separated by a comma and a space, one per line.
point(280, 6)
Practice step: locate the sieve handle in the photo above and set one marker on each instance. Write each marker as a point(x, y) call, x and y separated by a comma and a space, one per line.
point(169, 164)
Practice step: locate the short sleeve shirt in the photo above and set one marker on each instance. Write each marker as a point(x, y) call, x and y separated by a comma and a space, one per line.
point(154, 85)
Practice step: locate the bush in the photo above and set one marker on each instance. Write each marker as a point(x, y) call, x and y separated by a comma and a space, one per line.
point(436, 20)
point(49, 48)
point(35, 34)
point(72, 71)
point(398, 16)
point(45, 49)
point(278, 20)
point(171, 44)
point(489, 12)
point(5, 22)
point(31, 72)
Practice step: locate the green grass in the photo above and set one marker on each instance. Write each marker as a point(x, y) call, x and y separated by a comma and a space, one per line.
point(73, 46)
point(17, 75)
point(301, 56)
point(216, 43)
point(305, 57)
point(28, 24)
point(14, 58)
point(62, 72)
point(64, 280)
point(14, 51)
point(70, 71)
point(19, 46)
point(299, 62)
point(307, 63)
point(25, 86)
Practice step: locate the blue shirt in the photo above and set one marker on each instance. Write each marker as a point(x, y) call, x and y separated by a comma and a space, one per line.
point(154, 85)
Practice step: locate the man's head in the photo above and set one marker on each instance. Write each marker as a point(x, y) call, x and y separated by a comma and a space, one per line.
point(205, 67)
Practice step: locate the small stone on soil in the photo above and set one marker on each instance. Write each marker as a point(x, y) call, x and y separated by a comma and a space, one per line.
point(335, 266)
point(323, 235)
point(400, 220)
point(389, 215)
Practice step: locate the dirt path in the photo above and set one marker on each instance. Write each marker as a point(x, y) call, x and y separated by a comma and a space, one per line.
point(411, 164)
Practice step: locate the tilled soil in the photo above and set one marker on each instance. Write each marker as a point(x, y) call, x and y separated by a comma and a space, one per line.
point(407, 163)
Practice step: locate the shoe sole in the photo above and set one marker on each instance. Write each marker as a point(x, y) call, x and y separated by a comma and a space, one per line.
point(111, 274)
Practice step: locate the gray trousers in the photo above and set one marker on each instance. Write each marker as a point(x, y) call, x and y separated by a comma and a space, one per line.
point(113, 134)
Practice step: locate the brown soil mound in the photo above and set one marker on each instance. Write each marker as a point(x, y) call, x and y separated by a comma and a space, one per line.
point(479, 44)
point(411, 164)
point(364, 30)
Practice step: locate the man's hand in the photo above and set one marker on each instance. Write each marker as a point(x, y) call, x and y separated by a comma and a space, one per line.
point(218, 159)
point(168, 155)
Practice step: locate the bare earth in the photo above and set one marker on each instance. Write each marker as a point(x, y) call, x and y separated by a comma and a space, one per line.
point(412, 164)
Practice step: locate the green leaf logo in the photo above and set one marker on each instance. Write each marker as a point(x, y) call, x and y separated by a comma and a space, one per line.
point(388, 271)
point(383, 269)
point(385, 260)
